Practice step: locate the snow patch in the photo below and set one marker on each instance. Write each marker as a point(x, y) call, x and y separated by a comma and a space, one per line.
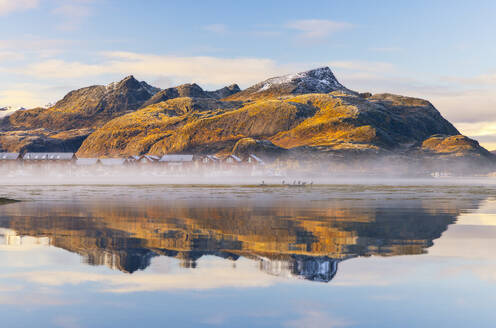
point(320, 80)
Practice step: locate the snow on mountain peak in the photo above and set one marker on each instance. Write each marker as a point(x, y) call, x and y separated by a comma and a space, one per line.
point(319, 80)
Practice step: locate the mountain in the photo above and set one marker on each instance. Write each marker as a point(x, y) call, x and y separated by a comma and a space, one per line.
point(320, 80)
point(82, 111)
point(309, 113)
point(190, 90)
point(88, 107)
point(64, 126)
point(224, 92)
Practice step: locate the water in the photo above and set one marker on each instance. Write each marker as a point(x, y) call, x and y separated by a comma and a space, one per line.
point(186, 256)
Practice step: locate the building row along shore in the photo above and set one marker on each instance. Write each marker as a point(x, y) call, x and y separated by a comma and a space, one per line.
point(302, 164)
point(172, 160)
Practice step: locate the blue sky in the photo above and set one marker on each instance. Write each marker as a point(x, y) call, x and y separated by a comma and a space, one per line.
point(442, 51)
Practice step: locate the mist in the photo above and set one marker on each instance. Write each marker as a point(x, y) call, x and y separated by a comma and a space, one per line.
point(288, 174)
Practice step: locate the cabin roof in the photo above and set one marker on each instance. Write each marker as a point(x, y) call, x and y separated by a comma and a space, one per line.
point(49, 156)
point(9, 156)
point(176, 158)
point(236, 158)
point(151, 158)
point(212, 157)
point(112, 161)
point(256, 158)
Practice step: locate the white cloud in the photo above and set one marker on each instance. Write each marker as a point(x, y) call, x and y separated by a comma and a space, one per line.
point(39, 47)
point(72, 14)
point(207, 70)
point(484, 132)
point(466, 106)
point(9, 6)
point(202, 69)
point(315, 29)
point(478, 128)
point(22, 97)
point(198, 279)
point(363, 70)
point(62, 69)
point(216, 28)
point(10, 55)
point(480, 80)
point(485, 79)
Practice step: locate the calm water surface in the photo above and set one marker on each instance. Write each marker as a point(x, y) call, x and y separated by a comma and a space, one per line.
point(179, 256)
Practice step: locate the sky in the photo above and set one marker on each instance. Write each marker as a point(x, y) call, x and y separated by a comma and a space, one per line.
point(442, 51)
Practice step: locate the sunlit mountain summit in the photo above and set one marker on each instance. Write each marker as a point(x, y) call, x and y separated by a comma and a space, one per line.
point(309, 114)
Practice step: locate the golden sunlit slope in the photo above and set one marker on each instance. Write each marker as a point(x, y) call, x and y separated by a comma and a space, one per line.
point(304, 111)
point(193, 124)
point(85, 108)
point(333, 121)
point(457, 145)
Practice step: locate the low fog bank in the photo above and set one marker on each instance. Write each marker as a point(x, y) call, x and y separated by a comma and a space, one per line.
point(231, 196)
point(372, 173)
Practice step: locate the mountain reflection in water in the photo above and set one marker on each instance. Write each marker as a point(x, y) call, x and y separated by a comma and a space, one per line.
point(292, 241)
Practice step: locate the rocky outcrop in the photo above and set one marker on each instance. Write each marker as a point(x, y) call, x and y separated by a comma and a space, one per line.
point(454, 146)
point(192, 91)
point(224, 92)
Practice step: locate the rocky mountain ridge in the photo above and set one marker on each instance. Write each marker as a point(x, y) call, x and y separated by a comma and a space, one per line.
point(310, 111)
point(190, 90)
point(319, 80)
point(88, 107)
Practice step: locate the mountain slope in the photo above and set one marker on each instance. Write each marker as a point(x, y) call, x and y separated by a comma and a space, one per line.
point(85, 108)
point(41, 140)
point(293, 111)
point(307, 111)
point(190, 90)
